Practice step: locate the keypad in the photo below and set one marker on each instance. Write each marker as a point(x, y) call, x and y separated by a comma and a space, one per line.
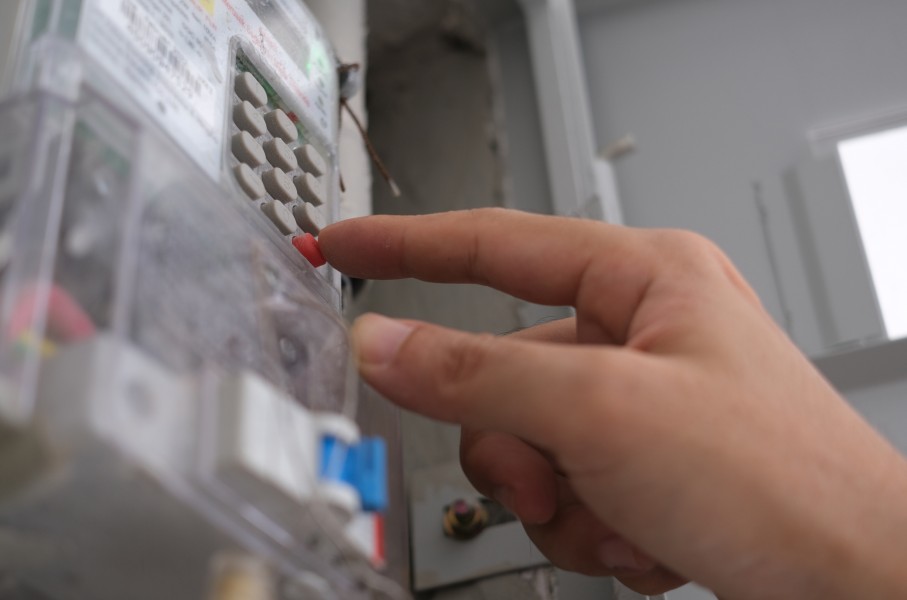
point(280, 215)
point(249, 89)
point(280, 155)
point(281, 126)
point(279, 185)
point(249, 181)
point(309, 218)
point(247, 150)
point(273, 163)
point(247, 118)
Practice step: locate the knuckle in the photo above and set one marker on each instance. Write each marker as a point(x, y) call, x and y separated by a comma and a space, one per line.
point(681, 239)
point(480, 459)
point(562, 556)
point(690, 247)
point(470, 456)
point(470, 436)
point(489, 212)
point(462, 363)
point(698, 254)
point(474, 465)
point(483, 215)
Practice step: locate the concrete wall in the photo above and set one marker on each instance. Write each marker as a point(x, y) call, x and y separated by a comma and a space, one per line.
point(9, 17)
point(517, 115)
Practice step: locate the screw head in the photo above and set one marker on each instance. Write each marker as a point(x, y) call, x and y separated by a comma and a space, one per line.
point(464, 520)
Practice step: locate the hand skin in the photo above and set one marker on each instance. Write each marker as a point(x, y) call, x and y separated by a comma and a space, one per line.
point(671, 420)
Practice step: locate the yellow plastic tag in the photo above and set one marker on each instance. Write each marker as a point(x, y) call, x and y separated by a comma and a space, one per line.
point(208, 5)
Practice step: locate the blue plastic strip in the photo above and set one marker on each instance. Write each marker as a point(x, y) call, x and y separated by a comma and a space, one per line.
point(363, 467)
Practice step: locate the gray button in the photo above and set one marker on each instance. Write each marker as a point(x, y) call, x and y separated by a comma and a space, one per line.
point(281, 216)
point(280, 126)
point(250, 183)
point(279, 185)
point(311, 189)
point(311, 160)
point(248, 88)
point(309, 218)
point(280, 155)
point(247, 150)
point(247, 118)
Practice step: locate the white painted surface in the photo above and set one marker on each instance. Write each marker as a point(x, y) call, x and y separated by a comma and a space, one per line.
point(581, 185)
point(345, 23)
point(722, 96)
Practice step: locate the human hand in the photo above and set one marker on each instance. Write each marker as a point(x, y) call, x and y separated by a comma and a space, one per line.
point(683, 420)
point(531, 485)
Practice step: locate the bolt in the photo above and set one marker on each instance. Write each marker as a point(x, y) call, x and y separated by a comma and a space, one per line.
point(464, 520)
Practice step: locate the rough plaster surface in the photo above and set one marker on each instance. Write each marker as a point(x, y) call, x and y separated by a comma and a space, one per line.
point(429, 100)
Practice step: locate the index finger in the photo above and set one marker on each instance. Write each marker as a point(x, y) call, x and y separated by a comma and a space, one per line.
point(546, 260)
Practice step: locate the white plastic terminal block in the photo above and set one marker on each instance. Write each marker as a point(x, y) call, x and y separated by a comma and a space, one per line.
point(337, 426)
point(269, 450)
point(364, 534)
point(106, 389)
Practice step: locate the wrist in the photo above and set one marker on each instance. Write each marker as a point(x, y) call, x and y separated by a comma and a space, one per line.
point(853, 524)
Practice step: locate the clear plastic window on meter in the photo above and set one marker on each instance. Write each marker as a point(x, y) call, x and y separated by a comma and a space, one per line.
point(155, 165)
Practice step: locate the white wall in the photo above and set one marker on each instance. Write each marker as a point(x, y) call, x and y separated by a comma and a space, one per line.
point(345, 24)
point(721, 95)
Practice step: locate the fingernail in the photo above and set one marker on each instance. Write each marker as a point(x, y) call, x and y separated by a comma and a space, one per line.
point(619, 555)
point(377, 339)
point(506, 498)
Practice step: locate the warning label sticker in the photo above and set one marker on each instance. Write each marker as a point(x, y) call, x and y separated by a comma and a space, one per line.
point(173, 58)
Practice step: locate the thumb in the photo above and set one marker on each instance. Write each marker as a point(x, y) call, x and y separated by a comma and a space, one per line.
point(551, 395)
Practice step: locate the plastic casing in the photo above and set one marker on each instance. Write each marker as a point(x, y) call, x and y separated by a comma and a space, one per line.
point(106, 489)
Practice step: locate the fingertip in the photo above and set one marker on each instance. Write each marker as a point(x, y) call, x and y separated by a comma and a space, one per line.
point(334, 242)
point(326, 239)
point(377, 339)
point(334, 230)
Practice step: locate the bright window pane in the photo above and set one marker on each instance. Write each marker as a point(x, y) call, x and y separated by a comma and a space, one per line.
point(876, 170)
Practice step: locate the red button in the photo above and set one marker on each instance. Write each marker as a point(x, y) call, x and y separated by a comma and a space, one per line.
point(309, 248)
